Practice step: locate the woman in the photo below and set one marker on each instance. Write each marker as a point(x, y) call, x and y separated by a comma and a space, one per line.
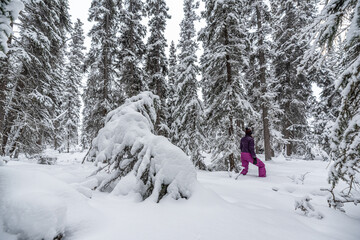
point(248, 154)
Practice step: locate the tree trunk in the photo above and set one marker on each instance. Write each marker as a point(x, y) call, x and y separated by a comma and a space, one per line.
point(232, 164)
point(68, 140)
point(264, 107)
point(2, 113)
point(286, 133)
point(8, 117)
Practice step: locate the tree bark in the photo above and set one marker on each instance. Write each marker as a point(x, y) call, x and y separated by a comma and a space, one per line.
point(3, 83)
point(232, 165)
point(2, 113)
point(262, 62)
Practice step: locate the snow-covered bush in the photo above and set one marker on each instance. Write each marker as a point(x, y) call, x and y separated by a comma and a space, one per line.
point(298, 179)
point(46, 160)
point(337, 200)
point(126, 145)
point(307, 209)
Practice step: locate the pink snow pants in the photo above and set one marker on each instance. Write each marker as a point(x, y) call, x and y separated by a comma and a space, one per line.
point(246, 158)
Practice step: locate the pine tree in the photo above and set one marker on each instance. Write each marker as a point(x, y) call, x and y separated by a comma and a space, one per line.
point(98, 97)
point(325, 110)
point(8, 79)
point(258, 73)
point(8, 14)
point(294, 89)
point(74, 74)
point(155, 59)
point(132, 48)
point(345, 138)
point(171, 101)
point(188, 112)
point(222, 62)
point(34, 97)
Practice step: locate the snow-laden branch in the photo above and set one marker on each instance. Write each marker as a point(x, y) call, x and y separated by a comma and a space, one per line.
point(9, 11)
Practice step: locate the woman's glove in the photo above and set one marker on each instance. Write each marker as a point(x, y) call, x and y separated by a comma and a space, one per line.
point(255, 161)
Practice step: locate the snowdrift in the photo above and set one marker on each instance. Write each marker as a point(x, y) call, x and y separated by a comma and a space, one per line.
point(34, 205)
point(127, 146)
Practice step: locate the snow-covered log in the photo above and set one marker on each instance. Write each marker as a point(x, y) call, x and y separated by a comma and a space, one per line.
point(127, 146)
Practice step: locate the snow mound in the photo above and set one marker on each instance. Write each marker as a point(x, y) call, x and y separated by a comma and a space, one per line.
point(127, 145)
point(35, 206)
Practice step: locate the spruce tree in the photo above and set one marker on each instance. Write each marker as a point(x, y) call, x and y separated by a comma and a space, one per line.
point(74, 74)
point(188, 112)
point(132, 48)
point(7, 17)
point(258, 74)
point(172, 94)
point(325, 110)
point(223, 61)
point(294, 89)
point(98, 98)
point(155, 59)
point(36, 91)
point(345, 138)
point(9, 76)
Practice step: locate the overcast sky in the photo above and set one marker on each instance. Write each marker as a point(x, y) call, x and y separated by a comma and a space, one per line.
point(79, 9)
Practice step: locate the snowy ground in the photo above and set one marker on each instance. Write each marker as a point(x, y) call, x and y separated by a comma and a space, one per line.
point(36, 201)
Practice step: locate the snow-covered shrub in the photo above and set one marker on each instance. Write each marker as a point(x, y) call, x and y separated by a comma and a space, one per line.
point(126, 145)
point(298, 179)
point(46, 160)
point(47, 157)
point(307, 209)
point(337, 200)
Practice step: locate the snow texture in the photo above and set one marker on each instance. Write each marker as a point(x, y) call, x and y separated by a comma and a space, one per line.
point(127, 144)
point(35, 206)
point(34, 197)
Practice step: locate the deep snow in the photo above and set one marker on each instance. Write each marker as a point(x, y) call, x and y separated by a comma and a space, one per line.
point(38, 200)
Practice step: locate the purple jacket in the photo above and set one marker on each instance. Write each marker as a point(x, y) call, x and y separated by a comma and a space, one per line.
point(247, 145)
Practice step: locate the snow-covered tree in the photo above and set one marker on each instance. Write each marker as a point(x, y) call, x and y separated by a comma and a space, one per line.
point(293, 88)
point(258, 75)
point(8, 78)
point(187, 117)
point(127, 147)
point(325, 110)
point(35, 94)
point(155, 59)
point(74, 74)
point(132, 48)
point(222, 62)
point(98, 99)
point(345, 138)
point(172, 91)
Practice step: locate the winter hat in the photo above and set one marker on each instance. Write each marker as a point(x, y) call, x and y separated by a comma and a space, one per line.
point(248, 131)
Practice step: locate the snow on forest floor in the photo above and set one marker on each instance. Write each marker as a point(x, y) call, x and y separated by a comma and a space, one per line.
point(43, 199)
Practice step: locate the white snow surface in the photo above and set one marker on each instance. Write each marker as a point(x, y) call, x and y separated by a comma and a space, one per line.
point(38, 201)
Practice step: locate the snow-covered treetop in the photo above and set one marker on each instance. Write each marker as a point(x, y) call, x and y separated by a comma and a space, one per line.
point(128, 146)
